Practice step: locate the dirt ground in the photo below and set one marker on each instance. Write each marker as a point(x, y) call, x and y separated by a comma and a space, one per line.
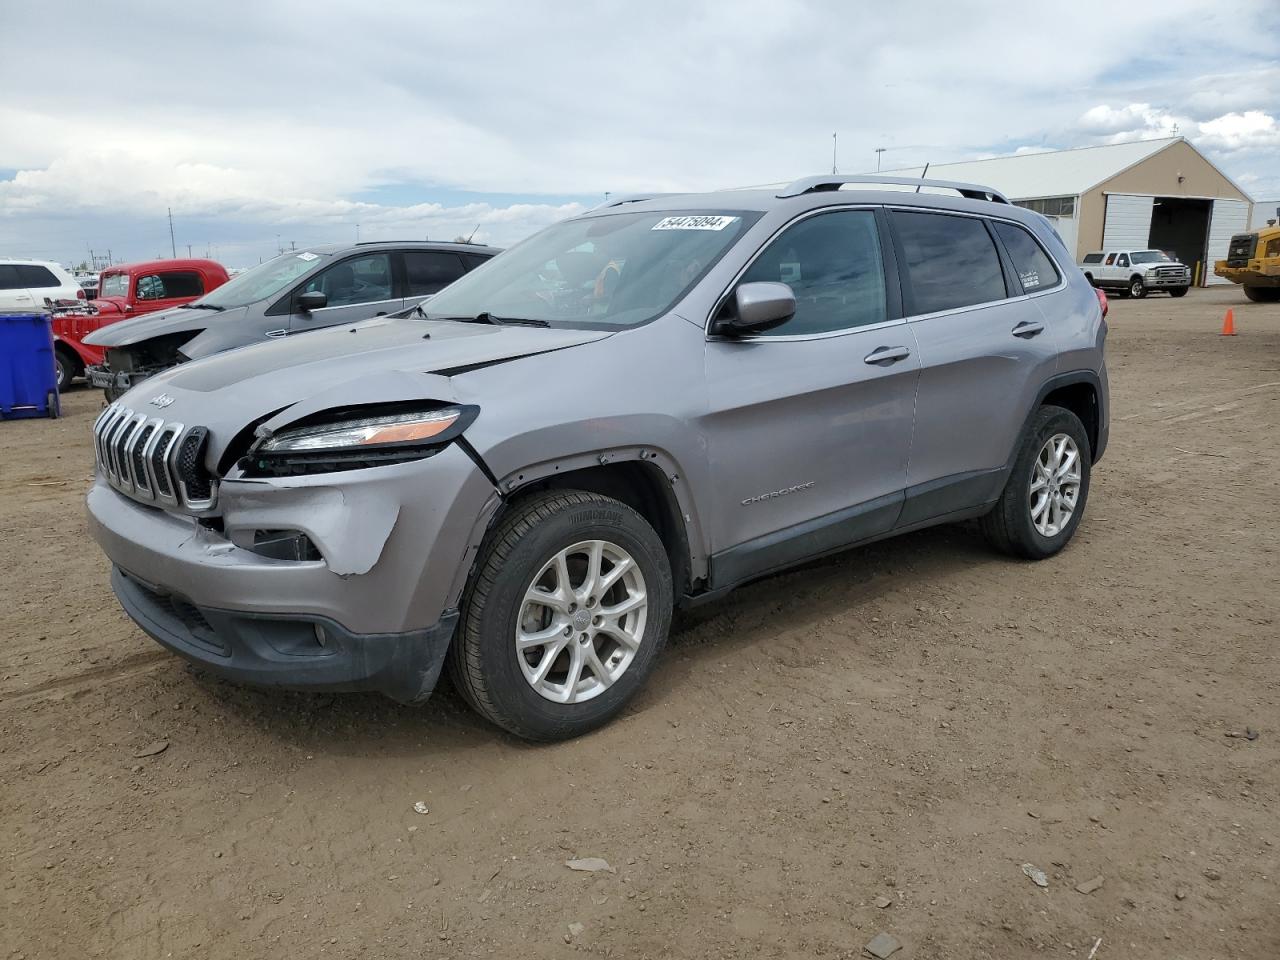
point(913, 721)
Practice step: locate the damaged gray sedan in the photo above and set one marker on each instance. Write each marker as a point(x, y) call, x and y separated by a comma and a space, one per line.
point(646, 405)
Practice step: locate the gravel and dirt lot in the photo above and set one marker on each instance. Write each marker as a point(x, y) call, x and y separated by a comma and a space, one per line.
point(906, 724)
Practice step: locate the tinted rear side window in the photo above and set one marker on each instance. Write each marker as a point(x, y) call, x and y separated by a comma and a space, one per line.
point(950, 261)
point(1035, 270)
point(430, 271)
point(33, 275)
point(9, 278)
point(1093, 258)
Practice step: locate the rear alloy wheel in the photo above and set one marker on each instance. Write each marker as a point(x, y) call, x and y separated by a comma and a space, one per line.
point(1137, 289)
point(1045, 495)
point(564, 617)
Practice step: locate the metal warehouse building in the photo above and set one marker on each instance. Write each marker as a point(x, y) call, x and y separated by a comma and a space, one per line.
point(1163, 194)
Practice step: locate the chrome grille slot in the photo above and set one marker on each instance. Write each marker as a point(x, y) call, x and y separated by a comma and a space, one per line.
point(140, 456)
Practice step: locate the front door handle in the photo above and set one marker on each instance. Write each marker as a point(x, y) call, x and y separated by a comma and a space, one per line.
point(883, 356)
point(1026, 329)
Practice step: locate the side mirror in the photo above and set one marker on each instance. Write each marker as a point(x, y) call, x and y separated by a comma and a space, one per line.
point(312, 300)
point(755, 307)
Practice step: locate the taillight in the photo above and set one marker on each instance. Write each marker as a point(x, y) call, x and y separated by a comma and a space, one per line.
point(80, 294)
point(1102, 301)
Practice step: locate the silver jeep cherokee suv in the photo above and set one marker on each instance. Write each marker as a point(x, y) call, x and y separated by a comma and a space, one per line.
point(646, 405)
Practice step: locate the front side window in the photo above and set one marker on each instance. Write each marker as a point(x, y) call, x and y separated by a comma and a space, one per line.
point(430, 271)
point(950, 262)
point(1035, 270)
point(358, 280)
point(1123, 261)
point(832, 263)
point(606, 272)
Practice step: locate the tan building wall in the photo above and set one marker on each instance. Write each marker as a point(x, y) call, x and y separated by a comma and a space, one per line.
point(1156, 176)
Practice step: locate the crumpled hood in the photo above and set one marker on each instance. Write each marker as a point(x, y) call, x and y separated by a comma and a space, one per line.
point(376, 361)
point(159, 324)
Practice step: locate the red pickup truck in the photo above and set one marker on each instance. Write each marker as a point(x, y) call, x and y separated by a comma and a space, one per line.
point(124, 291)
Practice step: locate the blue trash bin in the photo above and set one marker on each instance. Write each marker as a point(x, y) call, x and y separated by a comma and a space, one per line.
point(28, 376)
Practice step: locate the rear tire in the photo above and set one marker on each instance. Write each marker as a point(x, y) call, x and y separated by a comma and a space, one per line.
point(1263, 294)
point(517, 562)
point(1178, 291)
point(1012, 525)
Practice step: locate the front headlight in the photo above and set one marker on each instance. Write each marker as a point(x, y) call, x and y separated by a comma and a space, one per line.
point(345, 441)
point(369, 431)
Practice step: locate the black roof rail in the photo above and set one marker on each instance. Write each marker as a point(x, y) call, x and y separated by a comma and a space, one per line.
point(827, 182)
point(633, 198)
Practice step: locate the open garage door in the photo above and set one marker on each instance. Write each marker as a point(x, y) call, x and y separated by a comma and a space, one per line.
point(1128, 222)
point(1228, 217)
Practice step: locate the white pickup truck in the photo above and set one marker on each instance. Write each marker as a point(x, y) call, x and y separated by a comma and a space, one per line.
point(1137, 272)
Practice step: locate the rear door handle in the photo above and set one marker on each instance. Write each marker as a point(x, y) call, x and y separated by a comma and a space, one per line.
point(1026, 329)
point(883, 356)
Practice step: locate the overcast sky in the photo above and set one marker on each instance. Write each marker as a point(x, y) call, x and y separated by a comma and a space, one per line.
point(269, 122)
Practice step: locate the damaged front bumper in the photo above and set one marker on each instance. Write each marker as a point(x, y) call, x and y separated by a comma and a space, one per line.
point(369, 605)
point(104, 378)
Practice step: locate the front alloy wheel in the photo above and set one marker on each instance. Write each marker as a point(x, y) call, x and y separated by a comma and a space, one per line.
point(582, 621)
point(1137, 289)
point(564, 616)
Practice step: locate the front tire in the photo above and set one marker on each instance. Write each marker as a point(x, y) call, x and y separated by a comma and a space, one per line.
point(1263, 294)
point(1137, 289)
point(64, 369)
point(1045, 496)
point(1178, 291)
point(564, 617)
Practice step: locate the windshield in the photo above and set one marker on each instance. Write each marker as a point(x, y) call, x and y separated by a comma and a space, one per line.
point(114, 285)
point(1151, 256)
point(264, 280)
point(604, 272)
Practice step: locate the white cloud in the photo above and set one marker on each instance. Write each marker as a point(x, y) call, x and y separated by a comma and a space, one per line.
point(279, 116)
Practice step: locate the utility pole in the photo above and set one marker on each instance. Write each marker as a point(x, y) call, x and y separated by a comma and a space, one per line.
point(834, 143)
point(357, 233)
point(188, 251)
point(293, 245)
point(879, 151)
point(173, 247)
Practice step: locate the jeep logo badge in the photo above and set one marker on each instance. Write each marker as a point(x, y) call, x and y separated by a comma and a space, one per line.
point(161, 401)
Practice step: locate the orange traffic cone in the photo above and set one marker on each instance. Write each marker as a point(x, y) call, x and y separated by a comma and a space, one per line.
point(1229, 324)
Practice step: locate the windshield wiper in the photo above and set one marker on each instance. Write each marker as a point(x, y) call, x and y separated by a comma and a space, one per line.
point(487, 317)
point(200, 306)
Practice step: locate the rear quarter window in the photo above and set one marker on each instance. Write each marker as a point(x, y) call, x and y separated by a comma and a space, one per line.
point(1093, 258)
point(34, 275)
point(1034, 267)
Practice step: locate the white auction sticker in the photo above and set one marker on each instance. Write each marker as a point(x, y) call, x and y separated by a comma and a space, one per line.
point(713, 222)
point(308, 256)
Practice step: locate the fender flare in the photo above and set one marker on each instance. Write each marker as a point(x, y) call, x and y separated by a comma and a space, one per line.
point(514, 481)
